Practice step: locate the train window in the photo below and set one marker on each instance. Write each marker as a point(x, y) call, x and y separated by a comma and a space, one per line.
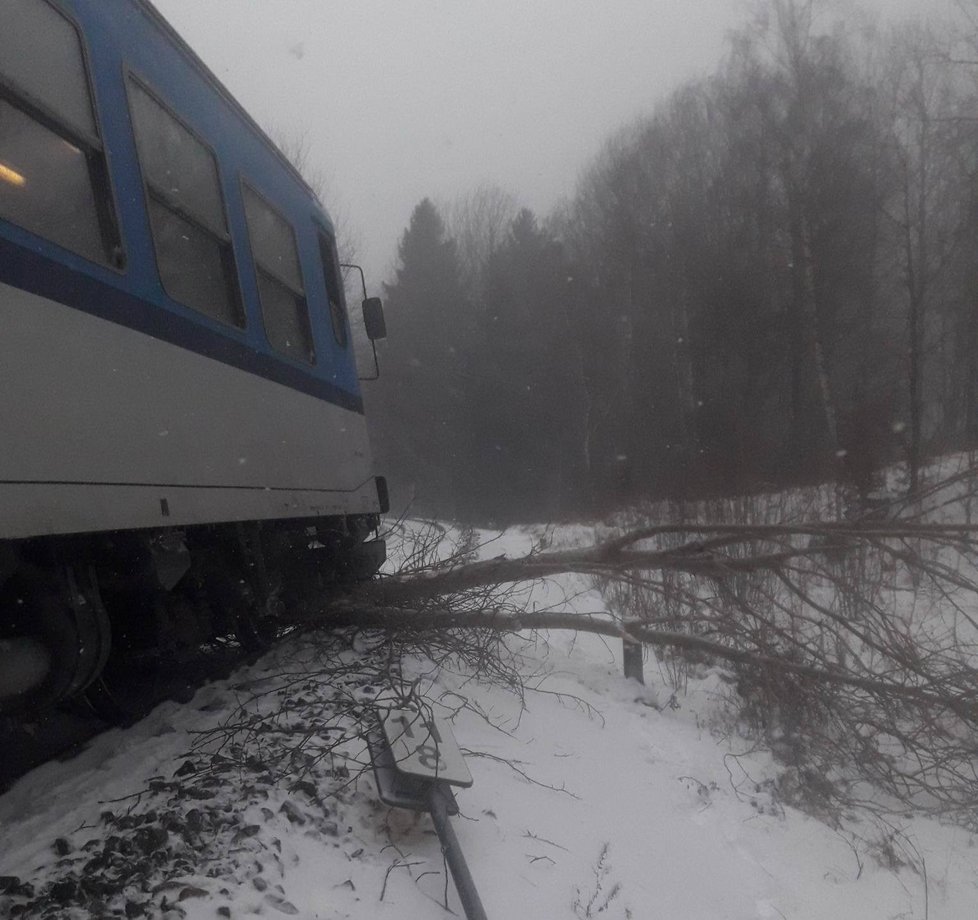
point(334, 289)
point(272, 240)
point(193, 270)
point(53, 176)
point(280, 289)
point(186, 212)
point(175, 163)
point(45, 185)
point(42, 56)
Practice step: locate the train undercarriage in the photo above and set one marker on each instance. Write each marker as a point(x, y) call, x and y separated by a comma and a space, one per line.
point(107, 618)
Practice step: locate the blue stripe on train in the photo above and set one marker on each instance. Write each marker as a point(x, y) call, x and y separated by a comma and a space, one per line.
point(23, 268)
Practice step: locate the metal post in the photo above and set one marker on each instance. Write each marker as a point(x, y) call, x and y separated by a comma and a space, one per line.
point(464, 884)
point(632, 660)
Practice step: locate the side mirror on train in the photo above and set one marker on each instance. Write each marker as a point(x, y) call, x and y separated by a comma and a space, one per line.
point(373, 319)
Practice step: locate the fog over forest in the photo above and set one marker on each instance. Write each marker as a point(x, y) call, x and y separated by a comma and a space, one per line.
point(769, 280)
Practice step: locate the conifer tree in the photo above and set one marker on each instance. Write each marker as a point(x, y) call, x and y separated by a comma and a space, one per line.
point(524, 385)
point(418, 408)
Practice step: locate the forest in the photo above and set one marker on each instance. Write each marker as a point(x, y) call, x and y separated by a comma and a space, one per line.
point(770, 280)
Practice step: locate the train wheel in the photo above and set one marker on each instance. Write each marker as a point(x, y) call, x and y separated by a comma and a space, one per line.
point(253, 613)
point(256, 610)
point(25, 664)
point(256, 627)
point(56, 638)
point(124, 694)
point(239, 592)
point(135, 677)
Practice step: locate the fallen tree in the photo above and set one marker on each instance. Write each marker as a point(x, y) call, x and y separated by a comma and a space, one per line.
point(851, 646)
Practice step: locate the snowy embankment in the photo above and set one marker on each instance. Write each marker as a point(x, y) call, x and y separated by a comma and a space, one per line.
point(598, 799)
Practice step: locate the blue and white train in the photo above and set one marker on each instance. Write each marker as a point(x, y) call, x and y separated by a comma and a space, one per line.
point(182, 423)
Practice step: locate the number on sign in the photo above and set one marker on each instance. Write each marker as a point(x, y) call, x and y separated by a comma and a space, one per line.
point(427, 754)
point(429, 757)
point(423, 745)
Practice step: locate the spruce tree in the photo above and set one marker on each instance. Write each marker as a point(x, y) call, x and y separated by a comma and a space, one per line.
point(418, 412)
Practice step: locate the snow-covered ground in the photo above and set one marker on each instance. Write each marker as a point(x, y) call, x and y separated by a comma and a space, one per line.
point(598, 799)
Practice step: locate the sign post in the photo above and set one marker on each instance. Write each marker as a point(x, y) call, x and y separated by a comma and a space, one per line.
point(416, 761)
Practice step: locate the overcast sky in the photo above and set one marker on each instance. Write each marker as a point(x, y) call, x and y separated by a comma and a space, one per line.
point(402, 99)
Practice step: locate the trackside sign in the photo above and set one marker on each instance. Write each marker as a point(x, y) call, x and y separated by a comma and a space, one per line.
point(424, 746)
